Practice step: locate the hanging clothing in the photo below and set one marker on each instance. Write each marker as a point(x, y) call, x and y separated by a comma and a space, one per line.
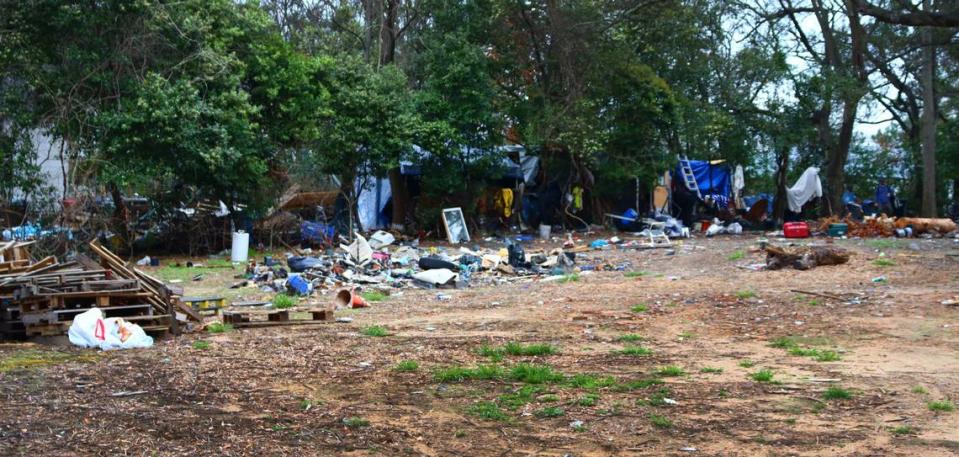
point(503, 202)
point(577, 198)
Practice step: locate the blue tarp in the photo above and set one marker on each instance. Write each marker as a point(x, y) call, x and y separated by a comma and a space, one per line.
point(751, 200)
point(711, 179)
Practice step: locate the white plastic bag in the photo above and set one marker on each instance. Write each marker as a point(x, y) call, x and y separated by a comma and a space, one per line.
point(91, 330)
point(734, 229)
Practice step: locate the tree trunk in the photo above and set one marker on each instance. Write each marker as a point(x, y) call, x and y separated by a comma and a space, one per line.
point(928, 122)
point(782, 167)
point(838, 155)
point(402, 204)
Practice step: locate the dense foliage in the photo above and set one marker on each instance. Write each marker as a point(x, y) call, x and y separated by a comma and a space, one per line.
point(227, 100)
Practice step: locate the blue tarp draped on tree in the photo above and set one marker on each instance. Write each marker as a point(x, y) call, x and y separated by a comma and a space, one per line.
point(711, 179)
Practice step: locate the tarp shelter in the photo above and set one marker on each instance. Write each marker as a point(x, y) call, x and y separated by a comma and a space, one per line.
point(374, 193)
point(806, 188)
point(712, 178)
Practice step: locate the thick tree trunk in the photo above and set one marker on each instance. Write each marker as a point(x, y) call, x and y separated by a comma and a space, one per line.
point(837, 157)
point(402, 204)
point(928, 123)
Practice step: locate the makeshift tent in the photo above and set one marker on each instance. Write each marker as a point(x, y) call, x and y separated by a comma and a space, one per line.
point(806, 188)
point(712, 179)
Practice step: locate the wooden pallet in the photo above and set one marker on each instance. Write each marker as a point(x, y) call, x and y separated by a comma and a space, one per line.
point(280, 317)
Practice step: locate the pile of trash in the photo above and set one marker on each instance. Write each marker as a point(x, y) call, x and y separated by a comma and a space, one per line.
point(380, 263)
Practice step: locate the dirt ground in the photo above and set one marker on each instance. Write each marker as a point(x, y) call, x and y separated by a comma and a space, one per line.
point(331, 390)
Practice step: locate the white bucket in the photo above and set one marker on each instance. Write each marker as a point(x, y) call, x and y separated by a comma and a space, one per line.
point(241, 247)
point(544, 231)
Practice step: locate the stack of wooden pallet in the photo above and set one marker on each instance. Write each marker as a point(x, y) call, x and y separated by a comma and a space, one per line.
point(42, 298)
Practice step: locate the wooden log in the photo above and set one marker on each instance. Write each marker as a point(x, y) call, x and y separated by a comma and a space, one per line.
point(804, 258)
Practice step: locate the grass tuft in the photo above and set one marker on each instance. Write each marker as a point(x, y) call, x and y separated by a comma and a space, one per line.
point(903, 430)
point(636, 384)
point(919, 390)
point(640, 308)
point(737, 255)
point(283, 301)
point(487, 410)
point(457, 374)
point(710, 370)
point(375, 331)
point(660, 421)
point(534, 374)
point(552, 411)
point(883, 263)
point(764, 375)
point(202, 345)
point(356, 422)
point(837, 393)
point(407, 366)
point(629, 338)
point(374, 296)
point(744, 294)
point(590, 382)
point(569, 278)
point(219, 327)
point(517, 349)
point(783, 342)
point(635, 274)
point(636, 351)
point(671, 370)
point(747, 363)
point(587, 400)
point(942, 405)
point(522, 396)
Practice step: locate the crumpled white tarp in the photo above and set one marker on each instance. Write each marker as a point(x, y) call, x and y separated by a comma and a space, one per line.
point(806, 188)
point(739, 183)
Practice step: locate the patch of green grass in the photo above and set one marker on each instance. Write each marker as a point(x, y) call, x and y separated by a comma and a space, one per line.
point(723, 393)
point(658, 398)
point(355, 422)
point(587, 400)
point(26, 359)
point(814, 302)
point(836, 393)
point(660, 421)
point(747, 363)
point(306, 404)
point(686, 336)
point(883, 243)
point(520, 397)
point(629, 338)
point(551, 411)
point(827, 356)
point(407, 366)
point(671, 370)
point(635, 274)
point(737, 255)
point(764, 375)
point(883, 263)
point(374, 296)
point(744, 294)
point(219, 327)
point(640, 308)
point(517, 349)
point(569, 278)
point(942, 405)
point(919, 390)
point(457, 374)
point(783, 342)
point(202, 345)
point(548, 398)
point(636, 351)
point(284, 301)
point(375, 331)
point(903, 430)
point(579, 428)
point(590, 382)
point(710, 370)
point(493, 353)
point(487, 410)
point(636, 384)
point(534, 374)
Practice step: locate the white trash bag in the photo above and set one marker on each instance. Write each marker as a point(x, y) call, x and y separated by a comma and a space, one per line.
point(91, 330)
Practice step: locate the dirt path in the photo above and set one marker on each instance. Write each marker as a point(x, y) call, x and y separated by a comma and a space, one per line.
point(329, 390)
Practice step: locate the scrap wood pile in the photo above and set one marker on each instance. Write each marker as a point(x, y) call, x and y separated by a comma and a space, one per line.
point(884, 226)
point(804, 258)
point(41, 298)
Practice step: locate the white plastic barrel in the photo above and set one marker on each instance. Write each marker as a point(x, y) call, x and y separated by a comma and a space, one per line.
point(241, 247)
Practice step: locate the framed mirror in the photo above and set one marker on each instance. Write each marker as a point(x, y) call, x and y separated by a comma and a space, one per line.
point(455, 225)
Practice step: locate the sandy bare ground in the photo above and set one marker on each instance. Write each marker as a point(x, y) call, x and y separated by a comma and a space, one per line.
point(330, 390)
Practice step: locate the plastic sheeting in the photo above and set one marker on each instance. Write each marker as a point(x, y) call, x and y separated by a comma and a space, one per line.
point(373, 197)
point(711, 179)
point(806, 188)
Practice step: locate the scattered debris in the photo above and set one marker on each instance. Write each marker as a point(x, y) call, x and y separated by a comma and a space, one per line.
point(804, 258)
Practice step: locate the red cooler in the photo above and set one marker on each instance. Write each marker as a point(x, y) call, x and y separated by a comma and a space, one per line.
point(796, 230)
